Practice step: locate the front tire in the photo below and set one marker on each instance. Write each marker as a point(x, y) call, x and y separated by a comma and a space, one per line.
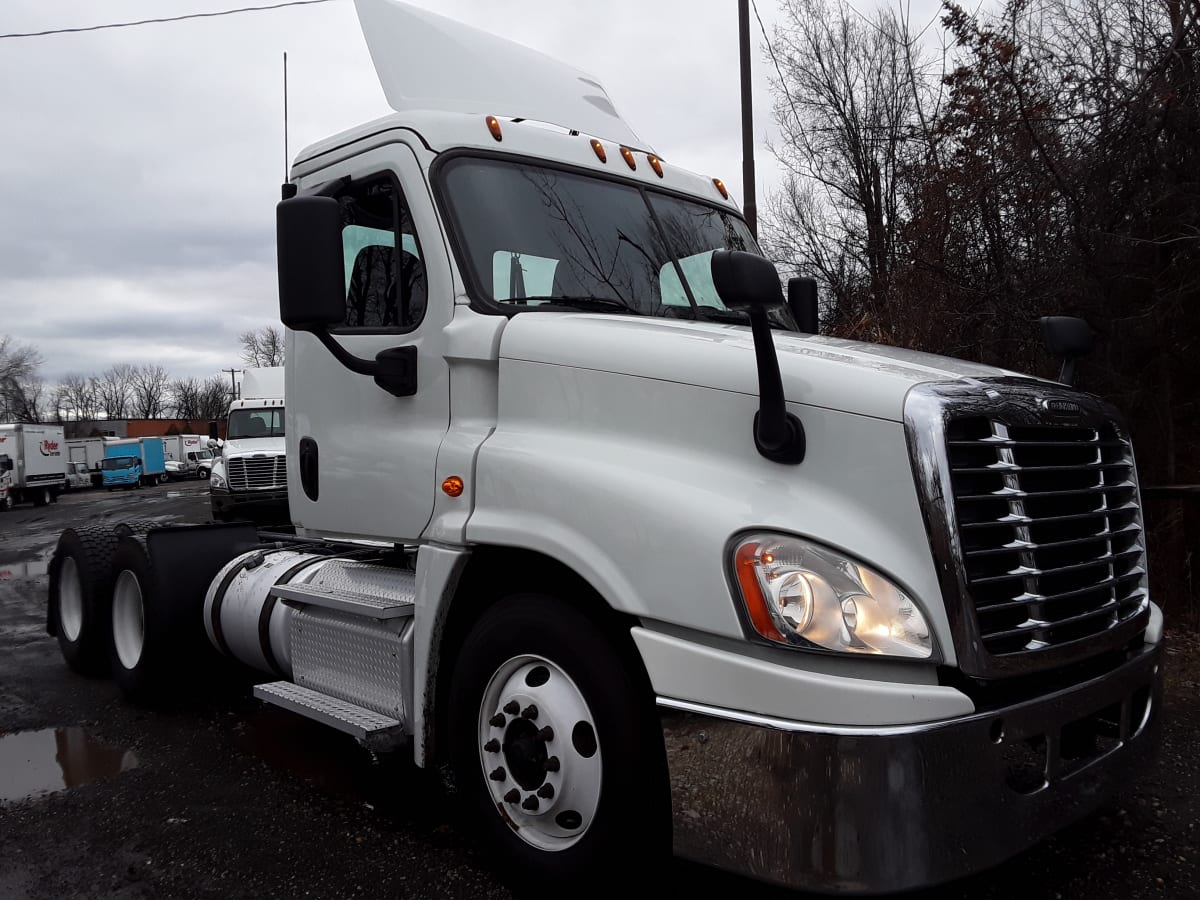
point(203, 474)
point(550, 789)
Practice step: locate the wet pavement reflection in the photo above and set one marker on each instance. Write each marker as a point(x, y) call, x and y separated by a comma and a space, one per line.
point(33, 763)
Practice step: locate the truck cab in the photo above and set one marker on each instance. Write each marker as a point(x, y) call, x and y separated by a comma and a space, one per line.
point(122, 470)
point(249, 478)
point(582, 513)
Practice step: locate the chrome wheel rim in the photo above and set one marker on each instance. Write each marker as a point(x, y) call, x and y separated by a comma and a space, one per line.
point(539, 752)
point(70, 600)
point(129, 628)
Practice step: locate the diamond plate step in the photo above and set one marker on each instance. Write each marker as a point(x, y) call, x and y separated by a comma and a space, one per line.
point(345, 601)
point(371, 728)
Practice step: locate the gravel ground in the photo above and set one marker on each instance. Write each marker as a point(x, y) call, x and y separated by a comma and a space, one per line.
point(227, 799)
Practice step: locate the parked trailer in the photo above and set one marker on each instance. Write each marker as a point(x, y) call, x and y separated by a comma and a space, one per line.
point(33, 456)
point(836, 616)
point(133, 462)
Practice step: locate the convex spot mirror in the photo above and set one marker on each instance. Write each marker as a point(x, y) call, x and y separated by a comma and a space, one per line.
point(1067, 337)
point(312, 279)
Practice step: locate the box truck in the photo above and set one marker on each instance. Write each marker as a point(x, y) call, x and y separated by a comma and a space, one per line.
point(133, 462)
point(90, 452)
point(588, 514)
point(33, 456)
point(184, 453)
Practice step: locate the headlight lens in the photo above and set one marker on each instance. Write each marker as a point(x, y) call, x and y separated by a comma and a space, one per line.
point(802, 594)
point(216, 482)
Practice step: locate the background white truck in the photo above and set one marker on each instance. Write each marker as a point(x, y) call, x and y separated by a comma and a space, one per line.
point(36, 462)
point(89, 451)
point(185, 453)
point(581, 512)
point(249, 478)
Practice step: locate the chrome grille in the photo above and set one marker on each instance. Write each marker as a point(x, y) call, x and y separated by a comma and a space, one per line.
point(257, 473)
point(1050, 530)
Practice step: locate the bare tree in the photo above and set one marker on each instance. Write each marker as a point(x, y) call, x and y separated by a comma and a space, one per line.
point(150, 395)
point(213, 399)
point(76, 398)
point(185, 395)
point(114, 388)
point(849, 102)
point(21, 389)
point(262, 348)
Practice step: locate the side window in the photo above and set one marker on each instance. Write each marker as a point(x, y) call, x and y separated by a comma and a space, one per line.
point(385, 273)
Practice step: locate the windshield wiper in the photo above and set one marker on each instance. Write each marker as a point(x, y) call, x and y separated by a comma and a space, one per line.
point(604, 303)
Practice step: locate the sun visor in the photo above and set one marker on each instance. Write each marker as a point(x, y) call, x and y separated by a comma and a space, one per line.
point(428, 62)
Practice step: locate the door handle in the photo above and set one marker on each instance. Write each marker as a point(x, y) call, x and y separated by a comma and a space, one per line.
point(308, 469)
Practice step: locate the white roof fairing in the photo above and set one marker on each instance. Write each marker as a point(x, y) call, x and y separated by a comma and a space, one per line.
point(429, 62)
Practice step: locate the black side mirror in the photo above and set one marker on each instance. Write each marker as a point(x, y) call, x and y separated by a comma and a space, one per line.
point(1068, 338)
point(312, 277)
point(802, 301)
point(213, 434)
point(749, 282)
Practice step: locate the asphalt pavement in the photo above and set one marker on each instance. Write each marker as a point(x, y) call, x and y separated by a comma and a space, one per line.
point(223, 798)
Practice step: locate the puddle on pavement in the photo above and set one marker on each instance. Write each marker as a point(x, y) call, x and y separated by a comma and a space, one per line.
point(33, 763)
point(29, 568)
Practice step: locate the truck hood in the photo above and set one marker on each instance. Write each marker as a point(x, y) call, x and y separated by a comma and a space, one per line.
point(251, 446)
point(867, 379)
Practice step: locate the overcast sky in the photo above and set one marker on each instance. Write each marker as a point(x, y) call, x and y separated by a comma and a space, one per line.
point(140, 167)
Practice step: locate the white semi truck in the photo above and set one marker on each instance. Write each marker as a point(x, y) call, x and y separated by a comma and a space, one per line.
point(249, 478)
point(36, 464)
point(583, 513)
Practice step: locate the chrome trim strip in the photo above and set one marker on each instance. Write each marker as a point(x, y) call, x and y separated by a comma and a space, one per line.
point(789, 725)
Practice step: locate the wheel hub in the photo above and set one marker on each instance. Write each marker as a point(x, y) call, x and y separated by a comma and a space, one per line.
point(544, 780)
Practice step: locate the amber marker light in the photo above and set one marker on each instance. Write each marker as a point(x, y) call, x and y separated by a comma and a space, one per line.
point(452, 486)
point(721, 187)
point(655, 164)
point(745, 565)
point(600, 152)
point(494, 127)
point(627, 154)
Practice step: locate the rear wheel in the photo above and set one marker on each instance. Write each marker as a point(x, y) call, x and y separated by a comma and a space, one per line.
point(41, 497)
point(552, 739)
point(80, 596)
point(137, 656)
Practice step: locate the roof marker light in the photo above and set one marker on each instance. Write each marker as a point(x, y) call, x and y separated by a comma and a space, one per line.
point(600, 153)
point(721, 187)
point(493, 125)
point(628, 155)
point(655, 164)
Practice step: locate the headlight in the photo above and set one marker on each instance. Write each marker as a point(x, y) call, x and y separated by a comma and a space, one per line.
point(216, 482)
point(801, 594)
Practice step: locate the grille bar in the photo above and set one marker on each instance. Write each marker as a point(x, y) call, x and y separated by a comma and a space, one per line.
point(1012, 519)
point(1013, 467)
point(1050, 599)
point(1108, 608)
point(1027, 571)
point(997, 441)
point(1127, 531)
point(257, 473)
point(1018, 494)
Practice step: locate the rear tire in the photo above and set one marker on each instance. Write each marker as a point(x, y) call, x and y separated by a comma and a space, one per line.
point(136, 653)
point(608, 797)
point(81, 578)
point(41, 497)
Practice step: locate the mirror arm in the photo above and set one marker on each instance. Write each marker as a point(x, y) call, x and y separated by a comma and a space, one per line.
point(394, 369)
point(1066, 374)
point(778, 435)
point(345, 357)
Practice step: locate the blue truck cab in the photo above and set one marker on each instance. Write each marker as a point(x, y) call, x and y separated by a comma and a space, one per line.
point(132, 463)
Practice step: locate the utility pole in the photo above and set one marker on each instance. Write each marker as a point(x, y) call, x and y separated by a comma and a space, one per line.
point(749, 204)
point(233, 382)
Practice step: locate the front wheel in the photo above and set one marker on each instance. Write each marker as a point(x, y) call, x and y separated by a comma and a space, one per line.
point(203, 475)
point(555, 744)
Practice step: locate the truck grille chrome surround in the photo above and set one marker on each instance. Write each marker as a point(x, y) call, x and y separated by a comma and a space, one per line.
point(257, 473)
point(1031, 502)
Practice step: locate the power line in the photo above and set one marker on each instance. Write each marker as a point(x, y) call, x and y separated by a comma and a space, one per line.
point(181, 18)
point(778, 70)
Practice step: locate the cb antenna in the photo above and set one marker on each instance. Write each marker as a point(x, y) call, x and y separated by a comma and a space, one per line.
point(285, 119)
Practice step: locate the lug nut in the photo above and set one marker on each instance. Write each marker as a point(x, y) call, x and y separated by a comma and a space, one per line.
point(492, 746)
point(531, 803)
point(512, 796)
point(530, 712)
point(551, 764)
point(497, 721)
point(512, 707)
point(546, 791)
point(546, 734)
point(498, 774)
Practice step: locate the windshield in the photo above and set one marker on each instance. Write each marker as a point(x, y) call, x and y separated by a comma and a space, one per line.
point(119, 462)
point(255, 423)
point(543, 238)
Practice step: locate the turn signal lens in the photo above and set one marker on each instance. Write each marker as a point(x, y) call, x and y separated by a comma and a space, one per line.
point(452, 486)
point(628, 155)
point(721, 187)
point(600, 153)
point(655, 164)
point(493, 125)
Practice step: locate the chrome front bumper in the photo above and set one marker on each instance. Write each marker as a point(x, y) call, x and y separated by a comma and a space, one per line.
point(875, 810)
